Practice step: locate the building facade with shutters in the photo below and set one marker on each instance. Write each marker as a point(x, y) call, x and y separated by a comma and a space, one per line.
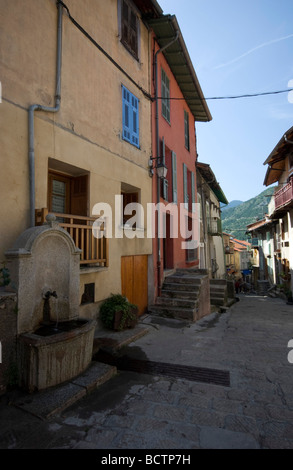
point(76, 132)
point(178, 104)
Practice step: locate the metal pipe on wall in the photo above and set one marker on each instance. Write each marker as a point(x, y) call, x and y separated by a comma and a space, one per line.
point(38, 107)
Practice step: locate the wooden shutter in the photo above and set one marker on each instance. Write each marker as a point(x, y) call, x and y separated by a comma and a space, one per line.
point(186, 129)
point(165, 90)
point(129, 28)
point(79, 195)
point(125, 22)
point(174, 177)
point(185, 189)
point(192, 191)
point(133, 32)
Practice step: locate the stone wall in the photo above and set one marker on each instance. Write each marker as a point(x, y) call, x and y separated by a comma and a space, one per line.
point(8, 327)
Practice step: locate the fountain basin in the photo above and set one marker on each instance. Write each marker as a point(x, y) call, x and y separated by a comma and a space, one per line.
point(48, 358)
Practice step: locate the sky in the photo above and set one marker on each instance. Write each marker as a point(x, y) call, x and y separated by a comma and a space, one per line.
point(240, 47)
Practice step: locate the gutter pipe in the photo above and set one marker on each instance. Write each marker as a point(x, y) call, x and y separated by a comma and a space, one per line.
point(158, 154)
point(38, 107)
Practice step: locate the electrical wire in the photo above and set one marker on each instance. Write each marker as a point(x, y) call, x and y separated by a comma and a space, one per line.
point(88, 36)
point(230, 97)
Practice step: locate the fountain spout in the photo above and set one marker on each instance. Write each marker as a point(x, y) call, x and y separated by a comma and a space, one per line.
point(46, 307)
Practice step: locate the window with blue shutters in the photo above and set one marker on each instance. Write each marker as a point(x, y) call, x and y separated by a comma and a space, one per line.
point(130, 117)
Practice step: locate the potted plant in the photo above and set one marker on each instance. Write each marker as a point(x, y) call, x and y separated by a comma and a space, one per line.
point(117, 313)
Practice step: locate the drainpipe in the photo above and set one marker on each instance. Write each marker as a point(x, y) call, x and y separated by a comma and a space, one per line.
point(38, 107)
point(158, 154)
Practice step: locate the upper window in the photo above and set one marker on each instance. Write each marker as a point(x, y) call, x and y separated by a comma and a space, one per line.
point(130, 116)
point(129, 27)
point(165, 96)
point(186, 129)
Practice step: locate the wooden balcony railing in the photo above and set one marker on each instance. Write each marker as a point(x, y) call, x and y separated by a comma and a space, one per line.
point(214, 226)
point(284, 195)
point(93, 250)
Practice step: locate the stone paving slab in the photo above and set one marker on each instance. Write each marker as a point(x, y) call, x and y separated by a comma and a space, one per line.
point(46, 403)
point(140, 411)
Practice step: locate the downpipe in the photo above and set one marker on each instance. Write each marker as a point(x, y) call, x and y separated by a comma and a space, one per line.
point(38, 107)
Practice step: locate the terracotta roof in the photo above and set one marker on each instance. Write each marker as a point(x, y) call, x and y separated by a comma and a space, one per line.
point(258, 224)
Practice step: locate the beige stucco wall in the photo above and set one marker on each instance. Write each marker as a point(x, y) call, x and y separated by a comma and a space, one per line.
point(87, 131)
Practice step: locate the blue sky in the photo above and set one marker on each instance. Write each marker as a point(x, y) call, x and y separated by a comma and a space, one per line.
point(240, 47)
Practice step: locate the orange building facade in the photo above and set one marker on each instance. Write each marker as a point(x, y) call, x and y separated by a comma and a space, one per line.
point(178, 104)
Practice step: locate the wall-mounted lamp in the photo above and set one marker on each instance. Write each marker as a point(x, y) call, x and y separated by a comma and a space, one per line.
point(160, 166)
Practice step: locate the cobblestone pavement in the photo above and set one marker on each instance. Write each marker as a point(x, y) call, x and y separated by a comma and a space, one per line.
point(145, 411)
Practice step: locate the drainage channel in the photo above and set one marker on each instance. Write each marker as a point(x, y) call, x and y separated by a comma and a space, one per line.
point(196, 374)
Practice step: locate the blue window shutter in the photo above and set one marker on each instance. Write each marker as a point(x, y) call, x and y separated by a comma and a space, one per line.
point(126, 114)
point(135, 121)
point(130, 117)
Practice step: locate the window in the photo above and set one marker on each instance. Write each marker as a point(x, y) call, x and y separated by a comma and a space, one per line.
point(129, 27)
point(67, 194)
point(130, 117)
point(186, 129)
point(165, 96)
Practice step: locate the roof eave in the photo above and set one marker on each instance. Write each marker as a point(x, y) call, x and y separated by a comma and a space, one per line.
point(193, 97)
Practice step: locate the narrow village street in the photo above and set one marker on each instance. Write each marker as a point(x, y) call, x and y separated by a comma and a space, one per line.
point(251, 409)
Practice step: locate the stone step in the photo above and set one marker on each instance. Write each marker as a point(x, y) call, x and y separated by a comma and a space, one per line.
point(175, 302)
point(188, 314)
point(174, 286)
point(218, 282)
point(217, 294)
point(218, 291)
point(185, 279)
point(217, 301)
point(179, 294)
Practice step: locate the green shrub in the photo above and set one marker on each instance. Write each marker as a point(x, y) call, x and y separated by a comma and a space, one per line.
point(117, 303)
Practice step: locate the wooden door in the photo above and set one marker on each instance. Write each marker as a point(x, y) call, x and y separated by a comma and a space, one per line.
point(134, 280)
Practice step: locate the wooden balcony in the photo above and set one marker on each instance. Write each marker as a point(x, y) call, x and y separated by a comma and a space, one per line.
point(94, 251)
point(284, 197)
point(214, 226)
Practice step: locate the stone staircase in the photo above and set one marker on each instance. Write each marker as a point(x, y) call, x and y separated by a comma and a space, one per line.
point(218, 292)
point(263, 287)
point(185, 295)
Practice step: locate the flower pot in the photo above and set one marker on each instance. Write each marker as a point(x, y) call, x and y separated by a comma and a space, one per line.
point(129, 322)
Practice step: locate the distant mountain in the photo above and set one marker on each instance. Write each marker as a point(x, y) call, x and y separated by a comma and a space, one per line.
point(235, 219)
point(232, 204)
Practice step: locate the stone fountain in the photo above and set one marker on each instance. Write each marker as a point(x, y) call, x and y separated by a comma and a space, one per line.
point(53, 343)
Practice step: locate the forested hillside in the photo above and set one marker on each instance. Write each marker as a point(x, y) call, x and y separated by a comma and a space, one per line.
point(235, 219)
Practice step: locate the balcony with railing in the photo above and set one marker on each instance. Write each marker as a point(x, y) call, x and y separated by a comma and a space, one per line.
point(214, 226)
point(94, 250)
point(284, 197)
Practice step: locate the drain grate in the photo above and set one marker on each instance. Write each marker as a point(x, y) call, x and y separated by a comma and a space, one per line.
point(196, 374)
